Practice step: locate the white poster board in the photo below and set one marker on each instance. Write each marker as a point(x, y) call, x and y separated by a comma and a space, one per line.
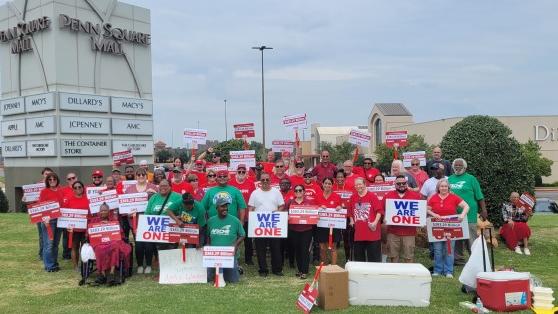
point(132, 203)
point(174, 271)
point(95, 202)
point(238, 157)
point(359, 138)
point(408, 156)
point(268, 224)
point(218, 256)
point(407, 213)
point(194, 137)
point(31, 192)
point(296, 121)
point(332, 218)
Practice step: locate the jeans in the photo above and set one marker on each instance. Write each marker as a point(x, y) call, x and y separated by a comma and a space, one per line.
point(443, 262)
point(40, 240)
point(229, 274)
point(368, 251)
point(50, 247)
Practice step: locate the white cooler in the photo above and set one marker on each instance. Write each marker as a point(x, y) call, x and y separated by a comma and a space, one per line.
point(388, 284)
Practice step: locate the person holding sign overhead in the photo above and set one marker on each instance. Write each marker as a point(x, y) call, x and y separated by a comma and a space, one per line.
point(328, 199)
point(51, 192)
point(225, 229)
point(300, 235)
point(441, 204)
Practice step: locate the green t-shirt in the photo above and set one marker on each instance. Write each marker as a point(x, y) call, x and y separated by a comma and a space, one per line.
point(468, 188)
point(157, 200)
point(224, 231)
point(233, 194)
point(194, 216)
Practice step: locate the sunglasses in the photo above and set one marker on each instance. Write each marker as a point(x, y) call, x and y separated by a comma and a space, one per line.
point(300, 166)
point(325, 156)
point(52, 179)
point(298, 190)
point(79, 187)
point(367, 163)
point(415, 164)
point(401, 183)
point(241, 172)
point(71, 178)
point(140, 174)
point(279, 166)
point(307, 177)
point(211, 175)
point(265, 180)
point(97, 177)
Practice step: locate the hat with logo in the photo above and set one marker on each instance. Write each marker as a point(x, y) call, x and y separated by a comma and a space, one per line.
point(222, 201)
point(97, 173)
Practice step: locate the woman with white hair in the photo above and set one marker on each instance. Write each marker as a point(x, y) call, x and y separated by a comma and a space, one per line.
point(398, 169)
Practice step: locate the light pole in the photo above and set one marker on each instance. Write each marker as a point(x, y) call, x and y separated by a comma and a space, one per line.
point(226, 124)
point(262, 48)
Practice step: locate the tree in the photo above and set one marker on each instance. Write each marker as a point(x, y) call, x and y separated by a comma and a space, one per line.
point(225, 147)
point(493, 156)
point(538, 165)
point(384, 154)
point(4, 205)
point(339, 153)
point(163, 155)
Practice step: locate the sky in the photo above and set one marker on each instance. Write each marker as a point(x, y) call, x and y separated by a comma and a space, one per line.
point(334, 59)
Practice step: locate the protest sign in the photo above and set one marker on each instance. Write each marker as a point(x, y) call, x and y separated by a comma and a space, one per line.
point(123, 158)
point(153, 228)
point(95, 202)
point(408, 156)
point(527, 202)
point(396, 138)
point(268, 224)
point(31, 192)
point(238, 157)
point(332, 218)
point(172, 270)
point(244, 130)
point(44, 210)
point(92, 191)
point(359, 138)
point(303, 214)
point(380, 189)
point(297, 121)
point(128, 183)
point(132, 203)
point(307, 298)
point(282, 146)
point(217, 167)
point(188, 233)
point(194, 137)
point(400, 212)
point(104, 232)
point(74, 218)
point(438, 228)
point(218, 256)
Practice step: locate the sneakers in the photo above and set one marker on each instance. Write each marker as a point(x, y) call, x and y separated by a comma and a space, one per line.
point(435, 274)
point(140, 269)
point(518, 250)
point(527, 252)
point(448, 275)
point(147, 270)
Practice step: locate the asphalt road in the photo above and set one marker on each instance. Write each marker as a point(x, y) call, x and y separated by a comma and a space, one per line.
point(547, 194)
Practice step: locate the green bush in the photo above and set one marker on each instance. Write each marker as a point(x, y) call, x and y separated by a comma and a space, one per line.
point(493, 156)
point(4, 205)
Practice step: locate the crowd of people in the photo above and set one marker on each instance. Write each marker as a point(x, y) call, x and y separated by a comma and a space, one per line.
point(207, 194)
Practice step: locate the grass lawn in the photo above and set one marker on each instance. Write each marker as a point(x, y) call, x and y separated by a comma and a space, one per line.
point(26, 288)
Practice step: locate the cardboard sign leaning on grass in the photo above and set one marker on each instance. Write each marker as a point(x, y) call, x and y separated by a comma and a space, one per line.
point(268, 224)
point(307, 298)
point(303, 214)
point(31, 192)
point(104, 232)
point(409, 213)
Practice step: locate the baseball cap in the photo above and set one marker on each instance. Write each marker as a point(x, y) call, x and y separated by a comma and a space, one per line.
point(116, 170)
point(299, 163)
point(187, 198)
point(222, 201)
point(222, 173)
point(435, 166)
point(143, 163)
point(198, 162)
point(97, 173)
point(216, 154)
point(176, 169)
point(241, 166)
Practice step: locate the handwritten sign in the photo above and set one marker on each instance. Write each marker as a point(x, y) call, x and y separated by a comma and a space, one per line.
point(172, 270)
point(194, 137)
point(74, 218)
point(359, 138)
point(448, 226)
point(400, 212)
point(238, 157)
point(132, 203)
point(303, 214)
point(153, 228)
point(294, 121)
point(396, 138)
point(332, 218)
point(218, 256)
point(188, 233)
point(408, 156)
point(282, 146)
point(44, 210)
point(31, 192)
point(104, 232)
point(125, 157)
point(244, 130)
point(95, 202)
point(268, 224)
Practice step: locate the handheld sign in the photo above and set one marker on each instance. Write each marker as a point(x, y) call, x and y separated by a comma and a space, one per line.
point(73, 218)
point(294, 122)
point(128, 183)
point(188, 233)
point(132, 203)
point(303, 214)
point(332, 218)
point(380, 189)
point(409, 213)
point(153, 228)
point(408, 156)
point(217, 167)
point(194, 137)
point(95, 202)
point(104, 232)
point(309, 294)
point(527, 202)
point(268, 224)
point(31, 192)
point(396, 138)
point(238, 157)
point(92, 191)
point(359, 138)
point(174, 271)
point(244, 130)
point(123, 158)
point(218, 256)
point(282, 146)
point(45, 210)
point(440, 229)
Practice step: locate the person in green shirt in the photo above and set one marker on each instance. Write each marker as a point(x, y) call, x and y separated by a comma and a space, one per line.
point(192, 213)
point(237, 205)
point(468, 188)
point(225, 230)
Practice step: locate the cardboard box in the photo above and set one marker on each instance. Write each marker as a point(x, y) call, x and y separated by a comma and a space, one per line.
point(333, 288)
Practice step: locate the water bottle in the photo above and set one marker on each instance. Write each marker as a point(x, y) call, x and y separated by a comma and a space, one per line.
point(480, 308)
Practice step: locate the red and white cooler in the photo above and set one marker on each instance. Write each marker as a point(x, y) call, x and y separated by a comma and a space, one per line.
point(504, 291)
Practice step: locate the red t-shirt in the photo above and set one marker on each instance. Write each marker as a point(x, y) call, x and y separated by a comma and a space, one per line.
point(312, 190)
point(358, 171)
point(182, 187)
point(331, 202)
point(445, 207)
point(350, 181)
point(78, 203)
point(68, 192)
point(246, 188)
point(288, 196)
point(296, 180)
point(202, 180)
point(297, 227)
point(400, 230)
point(344, 193)
point(363, 209)
point(52, 195)
point(276, 180)
point(369, 174)
point(268, 167)
point(322, 171)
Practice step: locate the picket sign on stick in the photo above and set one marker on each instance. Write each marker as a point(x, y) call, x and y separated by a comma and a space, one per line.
point(309, 294)
point(184, 252)
point(216, 284)
point(330, 239)
point(70, 238)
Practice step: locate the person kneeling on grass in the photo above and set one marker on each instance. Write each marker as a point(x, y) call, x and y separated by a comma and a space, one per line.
point(225, 230)
point(108, 254)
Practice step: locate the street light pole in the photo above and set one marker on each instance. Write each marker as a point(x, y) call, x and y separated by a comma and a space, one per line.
point(226, 124)
point(262, 48)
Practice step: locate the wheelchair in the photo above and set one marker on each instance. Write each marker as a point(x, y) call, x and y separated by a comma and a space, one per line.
point(87, 266)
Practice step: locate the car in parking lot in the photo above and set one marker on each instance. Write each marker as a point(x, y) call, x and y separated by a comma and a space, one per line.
point(546, 206)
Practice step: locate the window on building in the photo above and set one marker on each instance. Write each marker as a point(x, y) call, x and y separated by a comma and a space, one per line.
point(378, 131)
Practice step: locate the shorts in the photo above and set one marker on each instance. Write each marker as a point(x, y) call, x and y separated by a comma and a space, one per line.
point(396, 243)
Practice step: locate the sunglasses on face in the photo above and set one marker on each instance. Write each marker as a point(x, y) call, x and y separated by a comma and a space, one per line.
point(97, 177)
point(211, 175)
point(285, 183)
point(78, 187)
point(279, 166)
point(264, 180)
point(241, 172)
point(71, 178)
point(367, 163)
point(52, 179)
point(140, 174)
point(307, 177)
point(298, 190)
point(300, 166)
point(222, 177)
point(193, 180)
point(325, 156)
point(415, 164)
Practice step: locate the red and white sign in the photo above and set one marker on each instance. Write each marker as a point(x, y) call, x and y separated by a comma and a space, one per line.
point(123, 158)
point(282, 146)
point(303, 214)
point(297, 121)
point(188, 233)
point(96, 202)
point(380, 189)
point(93, 191)
point(238, 157)
point(41, 211)
point(132, 203)
point(244, 130)
point(527, 201)
point(217, 167)
point(218, 256)
point(128, 183)
point(31, 192)
point(359, 138)
point(396, 137)
point(195, 137)
point(332, 218)
point(307, 298)
point(409, 213)
point(440, 229)
point(104, 232)
point(74, 218)
point(408, 156)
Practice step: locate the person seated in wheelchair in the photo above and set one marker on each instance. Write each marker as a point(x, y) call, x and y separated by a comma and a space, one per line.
point(109, 254)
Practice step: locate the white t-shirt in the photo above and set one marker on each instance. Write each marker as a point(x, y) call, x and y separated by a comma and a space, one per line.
point(266, 200)
point(429, 187)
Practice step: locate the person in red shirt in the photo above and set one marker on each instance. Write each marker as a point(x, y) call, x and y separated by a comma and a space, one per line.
point(311, 188)
point(300, 236)
point(368, 171)
point(298, 176)
point(325, 169)
point(345, 194)
point(129, 174)
point(211, 180)
point(328, 199)
point(401, 237)
point(441, 204)
point(246, 187)
point(51, 192)
point(350, 176)
point(420, 175)
point(280, 173)
point(77, 200)
point(269, 163)
point(365, 211)
point(67, 191)
point(288, 195)
point(97, 177)
point(195, 183)
point(178, 185)
point(199, 172)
